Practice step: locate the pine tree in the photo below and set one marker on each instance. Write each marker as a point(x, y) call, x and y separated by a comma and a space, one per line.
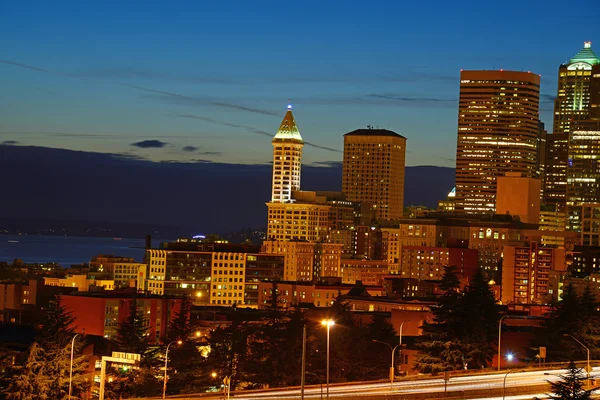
point(570, 386)
point(132, 334)
point(56, 327)
point(187, 370)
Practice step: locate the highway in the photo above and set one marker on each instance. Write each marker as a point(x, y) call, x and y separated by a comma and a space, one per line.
point(519, 385)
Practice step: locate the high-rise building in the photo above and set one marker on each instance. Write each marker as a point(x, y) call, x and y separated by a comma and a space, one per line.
point(578, 95)
point(583, 170)
point(578, 98)
point(373, 171)
point(519, 196)
point(287, 159)
point(498, 132)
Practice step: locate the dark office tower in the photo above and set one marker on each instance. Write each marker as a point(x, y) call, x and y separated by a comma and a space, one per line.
point(373, 171)
point(583, 170)
point(498, 132)
point(578, 98)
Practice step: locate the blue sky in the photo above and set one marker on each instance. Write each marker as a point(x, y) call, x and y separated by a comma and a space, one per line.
point(215, 77)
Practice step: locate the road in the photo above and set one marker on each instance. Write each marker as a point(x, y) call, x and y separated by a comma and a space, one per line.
point(423, 388)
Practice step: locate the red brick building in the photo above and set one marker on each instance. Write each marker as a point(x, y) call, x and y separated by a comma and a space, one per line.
point(100, 313)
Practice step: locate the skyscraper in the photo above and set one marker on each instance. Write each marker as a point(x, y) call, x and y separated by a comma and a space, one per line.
point(498, 132)
point(373, 171)
point(583, 170)
point(578, 98)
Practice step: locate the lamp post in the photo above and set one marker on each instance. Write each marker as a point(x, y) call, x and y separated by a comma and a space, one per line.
point(166, 364)
point(587, 369)
point(328, 323)
point(228, 383)
point(504, 384)
point(500, 337)
point(393, 349)
point(400, 344)
point(71, 367)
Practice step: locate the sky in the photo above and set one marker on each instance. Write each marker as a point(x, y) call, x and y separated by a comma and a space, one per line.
point(209, 81)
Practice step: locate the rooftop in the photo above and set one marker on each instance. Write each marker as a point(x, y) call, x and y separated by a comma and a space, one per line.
point(586, 55)
point(373, 132)
point(288, 130)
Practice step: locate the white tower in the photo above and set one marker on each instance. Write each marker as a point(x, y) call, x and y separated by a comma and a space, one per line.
point(287, 159)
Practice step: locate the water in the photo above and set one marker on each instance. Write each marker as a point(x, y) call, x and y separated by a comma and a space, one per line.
point(68, 250)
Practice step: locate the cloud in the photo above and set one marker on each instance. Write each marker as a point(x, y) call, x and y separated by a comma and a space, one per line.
point(9, 142)
point(150, 144)
point(211, 153)
point(163, 95)
point(401, 98)
point(189, 149)
point(136, 73)
point(248, 129)
point(548, 98)
point(331, 164)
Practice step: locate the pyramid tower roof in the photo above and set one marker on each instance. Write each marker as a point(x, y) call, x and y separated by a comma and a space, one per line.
point(586, 55)
point(288, 130)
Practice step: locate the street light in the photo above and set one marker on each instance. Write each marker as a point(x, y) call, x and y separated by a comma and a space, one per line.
point(500, 337)
point(504, 384)
point(587, 369)
point(328, 323)
point(393, 349)
point(71, 367)
point(227, 381)
point(166, 364)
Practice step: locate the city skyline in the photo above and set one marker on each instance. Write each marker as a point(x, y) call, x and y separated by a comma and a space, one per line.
point(150, 91)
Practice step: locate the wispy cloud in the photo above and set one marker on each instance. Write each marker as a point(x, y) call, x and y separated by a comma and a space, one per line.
point(9, 142)
point(189, 149)
point(249, 129)
point(332, 164)
point(211, 153)
point(411, 99)
point(547, 98)
point(163, 95)
point(150, 144)
point(124, 73)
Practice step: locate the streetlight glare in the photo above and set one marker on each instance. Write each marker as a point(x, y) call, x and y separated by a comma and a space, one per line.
point(509, 356)
point(179, 342)
point(327, 322)
point(214, 374)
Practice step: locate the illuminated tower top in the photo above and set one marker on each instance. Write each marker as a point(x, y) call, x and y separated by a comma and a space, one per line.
point(586, 55)
point(288, 130)
point(287, 159)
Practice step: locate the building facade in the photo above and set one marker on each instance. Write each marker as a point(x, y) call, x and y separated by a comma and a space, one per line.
point(577, 99)
point(373, 171)
point(498, 131)
point(526, 273)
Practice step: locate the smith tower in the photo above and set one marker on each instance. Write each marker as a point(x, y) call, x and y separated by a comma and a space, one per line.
point(287, 159)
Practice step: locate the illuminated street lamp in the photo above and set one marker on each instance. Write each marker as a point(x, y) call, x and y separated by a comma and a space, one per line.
point(166, 364)
point(328, 323)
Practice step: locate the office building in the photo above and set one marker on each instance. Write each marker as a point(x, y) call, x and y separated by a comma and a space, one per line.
point(590, 225)
point(526, 273)
point(216, 278)
point(554, 222)
point(577, 99)
point(583, 170)
point(519, 196)
point(498, 132)
point(428, 263)
point(100, 313)
point(373, 171)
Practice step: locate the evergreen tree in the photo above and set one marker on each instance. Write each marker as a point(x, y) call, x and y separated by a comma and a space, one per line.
point(56, 327)
point(438, 352)
point(187, 370)
point(477, 322)
point(132, 334)
point(574, 315)
point(570, 386)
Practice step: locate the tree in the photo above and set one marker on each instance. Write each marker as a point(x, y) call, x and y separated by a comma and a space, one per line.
point(570, 386)
point(132, 334)
point(575, 315)
point(464, 327)
point(187, 369)
point(45, 373)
